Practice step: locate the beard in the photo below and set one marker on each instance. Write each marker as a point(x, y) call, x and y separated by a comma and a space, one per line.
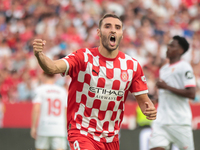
point(106, 44)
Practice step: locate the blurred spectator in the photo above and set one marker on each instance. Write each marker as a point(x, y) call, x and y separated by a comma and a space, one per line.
point(1, 111)
point(5, 51)
point(69, 25)
point(25, 89)
point(8, 83)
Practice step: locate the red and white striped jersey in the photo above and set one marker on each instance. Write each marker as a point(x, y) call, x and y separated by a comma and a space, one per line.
point(98, 90)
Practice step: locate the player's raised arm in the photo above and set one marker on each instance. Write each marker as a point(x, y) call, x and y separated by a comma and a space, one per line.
point(48, 65)
point(146, 106)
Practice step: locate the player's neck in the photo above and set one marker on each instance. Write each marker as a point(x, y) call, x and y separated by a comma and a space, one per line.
point(49, 81)
point(106, 53)
point(174, 60)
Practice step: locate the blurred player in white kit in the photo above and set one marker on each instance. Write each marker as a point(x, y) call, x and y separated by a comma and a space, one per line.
point(176, 85)
point(49, 115)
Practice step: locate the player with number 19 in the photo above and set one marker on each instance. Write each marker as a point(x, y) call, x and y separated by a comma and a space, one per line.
point(49, 115)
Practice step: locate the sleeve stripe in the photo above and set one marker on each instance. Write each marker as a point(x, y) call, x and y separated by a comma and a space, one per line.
point(66, 72)
point(140, 92)
point(191, 85)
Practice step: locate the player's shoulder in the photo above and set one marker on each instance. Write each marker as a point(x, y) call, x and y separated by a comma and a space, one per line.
point(40, 87)
point(94, 49)
point(184, 64)
point(61, 88)
point(76, 52)
point(54, 88)
point(83, 50)
point(80, 50)
point(126, 56)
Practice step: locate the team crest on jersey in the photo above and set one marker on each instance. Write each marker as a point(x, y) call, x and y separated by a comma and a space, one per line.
point(124, 76)
point(144, 79)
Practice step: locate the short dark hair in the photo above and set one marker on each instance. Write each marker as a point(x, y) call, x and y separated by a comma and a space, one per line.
point(182, 42)
point(106, 16)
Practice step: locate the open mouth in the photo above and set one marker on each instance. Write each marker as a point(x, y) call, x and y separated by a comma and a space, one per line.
point(112, 40)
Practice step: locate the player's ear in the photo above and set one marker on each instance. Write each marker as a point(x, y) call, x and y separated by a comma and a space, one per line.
point(181, 52)
point(98, 32)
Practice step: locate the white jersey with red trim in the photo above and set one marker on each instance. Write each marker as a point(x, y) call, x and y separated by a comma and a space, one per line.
point(172, 108)
point(98, 91)
point(53, 101)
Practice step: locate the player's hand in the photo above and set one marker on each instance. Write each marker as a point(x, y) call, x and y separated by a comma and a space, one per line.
point(161, 84)
point(150, 111)
point(38, 46)
point(33, 133)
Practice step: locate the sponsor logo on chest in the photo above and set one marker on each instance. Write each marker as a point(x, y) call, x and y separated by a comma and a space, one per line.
point(106, 94)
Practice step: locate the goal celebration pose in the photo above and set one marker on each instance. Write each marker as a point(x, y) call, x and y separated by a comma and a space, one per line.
point(101, 80)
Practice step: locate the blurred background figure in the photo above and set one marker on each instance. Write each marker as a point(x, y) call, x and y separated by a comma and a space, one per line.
point(49, 115)
point(2, 109)
point(176, 86)
point(25, 89)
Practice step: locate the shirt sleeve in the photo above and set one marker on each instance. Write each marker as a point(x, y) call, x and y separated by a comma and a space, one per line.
point(188, 77)
point(74, 62)
point(139, 83)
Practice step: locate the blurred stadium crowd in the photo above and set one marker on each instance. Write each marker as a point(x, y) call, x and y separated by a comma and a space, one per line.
point(68, 25)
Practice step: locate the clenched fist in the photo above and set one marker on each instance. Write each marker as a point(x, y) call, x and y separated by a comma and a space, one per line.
point(38, 45)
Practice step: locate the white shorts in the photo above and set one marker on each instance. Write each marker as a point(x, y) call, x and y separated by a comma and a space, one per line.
point(45, 142)
point(179, 135)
